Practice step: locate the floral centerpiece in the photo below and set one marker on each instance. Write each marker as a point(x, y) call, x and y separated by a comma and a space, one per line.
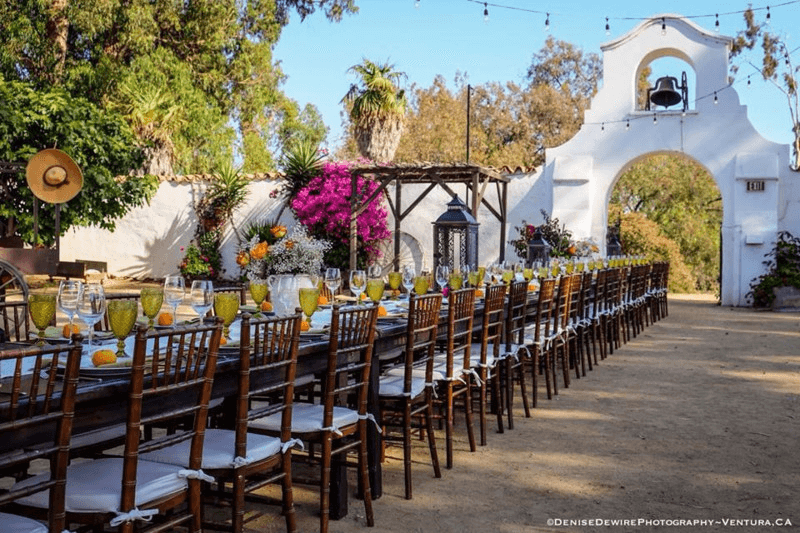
point(559, 237)
point(294, 252)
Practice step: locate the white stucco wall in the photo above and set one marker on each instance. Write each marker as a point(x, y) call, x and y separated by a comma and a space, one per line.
point(147, 242)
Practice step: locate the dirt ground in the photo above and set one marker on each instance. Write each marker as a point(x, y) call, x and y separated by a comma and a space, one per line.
point(691, 426)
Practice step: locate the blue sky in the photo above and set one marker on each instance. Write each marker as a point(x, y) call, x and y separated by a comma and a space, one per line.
point(449, 36)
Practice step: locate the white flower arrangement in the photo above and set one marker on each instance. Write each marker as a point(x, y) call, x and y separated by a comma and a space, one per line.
point(295, 253)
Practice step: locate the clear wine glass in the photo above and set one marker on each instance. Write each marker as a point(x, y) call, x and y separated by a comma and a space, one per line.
point(91, 306)
point(67, 299)
point(408, 278)
point(333, 278)
point(201, 296)
point(358, 282)
point(174, 290)
point(442, 275)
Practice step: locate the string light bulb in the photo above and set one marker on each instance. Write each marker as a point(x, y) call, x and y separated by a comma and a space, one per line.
point(547, 23)
point(716, 23)
point(603, 126)
point(485, 12)
point(655, 119)
point(748, 81)
point(628, 125)
point(716, 100)
point(608, 28)
point(768, 16)
point(416, 4)
point(663, 26)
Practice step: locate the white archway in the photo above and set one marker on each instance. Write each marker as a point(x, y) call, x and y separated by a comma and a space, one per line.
point(760, 195)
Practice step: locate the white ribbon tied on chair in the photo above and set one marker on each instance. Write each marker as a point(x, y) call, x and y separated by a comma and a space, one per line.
point(370, 416)
point(134, 514)
point(195, 474)
point(474, 374)
point(240, 461)
point(432, 386)
point(291, 443)
point(333, 429)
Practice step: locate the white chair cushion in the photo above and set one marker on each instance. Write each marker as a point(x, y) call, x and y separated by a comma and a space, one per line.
point(20, 524)
point(96, 486)
point(439, 371)
point(307, 418)
point(218, 448)
point(475, 356)
point(392, 386)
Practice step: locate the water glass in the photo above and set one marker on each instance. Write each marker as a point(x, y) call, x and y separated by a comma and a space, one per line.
point(408, 278)
point(201, 296)
point(174, 290)
point(333, 279)
point(91, 306)
point(67, 298)
point(442, 275)
point(358, 282)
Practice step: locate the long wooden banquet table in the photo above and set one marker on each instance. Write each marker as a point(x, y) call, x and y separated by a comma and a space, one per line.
point(100, 403)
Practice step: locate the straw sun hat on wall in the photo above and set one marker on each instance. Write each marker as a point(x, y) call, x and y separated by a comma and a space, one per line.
point(53, 176)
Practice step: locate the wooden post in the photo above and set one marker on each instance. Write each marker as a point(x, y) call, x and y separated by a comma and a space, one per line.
point(353, 221)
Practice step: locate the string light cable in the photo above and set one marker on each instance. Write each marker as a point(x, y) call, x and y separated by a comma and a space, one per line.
point(716, 15)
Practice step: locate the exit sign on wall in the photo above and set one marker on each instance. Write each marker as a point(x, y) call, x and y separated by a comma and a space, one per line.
point(755, 185)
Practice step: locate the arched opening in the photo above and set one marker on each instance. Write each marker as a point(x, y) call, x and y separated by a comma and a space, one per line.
point(669, 207)
point(665, 63)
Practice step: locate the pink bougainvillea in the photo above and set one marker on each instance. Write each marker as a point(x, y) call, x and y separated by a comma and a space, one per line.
point(323, 206)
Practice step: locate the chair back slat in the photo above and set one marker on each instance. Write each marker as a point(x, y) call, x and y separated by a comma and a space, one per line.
point(493, 323)
point(460, 315)
point(266, 368)
point(516, 310)
point(352, 335)
point(44, 408)
point(15, 321)
point(173, 386)
point(423, 323)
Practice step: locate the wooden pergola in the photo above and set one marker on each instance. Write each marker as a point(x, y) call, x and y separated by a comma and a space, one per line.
point(479, 181)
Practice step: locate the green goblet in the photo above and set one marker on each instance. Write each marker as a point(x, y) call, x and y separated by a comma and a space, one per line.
point(226, 305)
point(42, 308)
point(152, 299)
point(395, 279)
point(309, 301)
point(121, 317)
point(375, 289)
point(456, 281)
point(258, 291)
point(421, 285)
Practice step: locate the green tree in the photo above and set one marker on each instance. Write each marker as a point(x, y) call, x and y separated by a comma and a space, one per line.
point(211, 58)
point(776, 66)
point(682, 199)
point(376, 107)
point(99, 142)
point(510, 124)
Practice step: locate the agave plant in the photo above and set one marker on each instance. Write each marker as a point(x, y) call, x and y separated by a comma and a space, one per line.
point(301, 163)
point(377, 109)
point(227, 193)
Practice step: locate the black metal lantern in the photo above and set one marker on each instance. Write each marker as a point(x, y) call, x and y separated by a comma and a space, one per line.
point(455, 237)
point(538, 249)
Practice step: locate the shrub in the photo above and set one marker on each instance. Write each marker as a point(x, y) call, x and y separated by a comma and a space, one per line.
point(783, 264)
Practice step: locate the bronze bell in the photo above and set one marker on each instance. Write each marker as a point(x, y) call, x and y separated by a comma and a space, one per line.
point(665, 93)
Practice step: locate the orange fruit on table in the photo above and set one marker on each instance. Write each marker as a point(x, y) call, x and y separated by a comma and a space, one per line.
point(322, 300)
point(165, 319)
point(478, 293)
point(67, 332)
point(381, 311)
point(266, 306)
point(304, 325)
point(103, 357)
point(223, 340)
point(363, 296)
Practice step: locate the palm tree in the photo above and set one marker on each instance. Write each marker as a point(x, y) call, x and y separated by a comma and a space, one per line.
point(377, 107)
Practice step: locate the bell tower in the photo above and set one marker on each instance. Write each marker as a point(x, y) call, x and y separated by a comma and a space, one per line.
point(751, 172)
